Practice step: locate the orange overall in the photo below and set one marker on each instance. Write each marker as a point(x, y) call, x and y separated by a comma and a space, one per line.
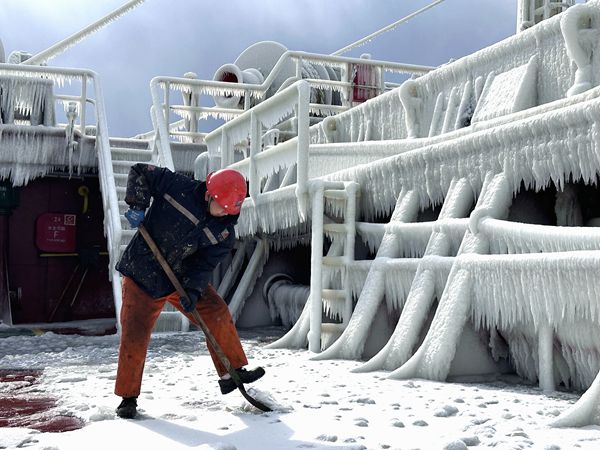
point(139, 312)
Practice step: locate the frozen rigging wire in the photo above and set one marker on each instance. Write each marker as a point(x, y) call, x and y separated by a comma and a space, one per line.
point(383, 30)
point(67, 43)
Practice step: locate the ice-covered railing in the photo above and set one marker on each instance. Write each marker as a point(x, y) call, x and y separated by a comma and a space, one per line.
point(530, 288)
point(531, 12)
point(81, 100)
point(538, 66)
point(547, 142)
point(192, 109)
point(31, 87)
point(511, 237)
point(262, 161)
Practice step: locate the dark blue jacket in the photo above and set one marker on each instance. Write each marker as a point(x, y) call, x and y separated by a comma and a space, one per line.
point(192, 241)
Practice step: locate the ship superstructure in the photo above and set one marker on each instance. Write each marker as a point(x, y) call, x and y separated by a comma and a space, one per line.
point(439, 227)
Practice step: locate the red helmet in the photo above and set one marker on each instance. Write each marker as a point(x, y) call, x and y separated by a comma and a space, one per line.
point(228, 188)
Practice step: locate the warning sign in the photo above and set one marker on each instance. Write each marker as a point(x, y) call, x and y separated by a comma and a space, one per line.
point(56, 233)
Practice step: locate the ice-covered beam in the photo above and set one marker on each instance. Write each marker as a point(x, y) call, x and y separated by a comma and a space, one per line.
point(585, 412)
point(253, 271)
point(428, 282)
point(433, 358)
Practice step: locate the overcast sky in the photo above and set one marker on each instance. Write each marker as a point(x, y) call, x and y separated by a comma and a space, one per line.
point(171, 37)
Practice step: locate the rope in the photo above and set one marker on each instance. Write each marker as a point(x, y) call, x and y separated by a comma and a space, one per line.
point(69, 42)
point(383, 30)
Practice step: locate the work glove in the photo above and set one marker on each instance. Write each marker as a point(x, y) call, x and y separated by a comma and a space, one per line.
point(135, 216)
point(188, 303)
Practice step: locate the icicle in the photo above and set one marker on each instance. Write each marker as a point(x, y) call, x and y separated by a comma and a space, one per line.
point(399, 277)
point(357, 275)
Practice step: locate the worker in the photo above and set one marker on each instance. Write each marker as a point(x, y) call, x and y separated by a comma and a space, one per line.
point(192, 223)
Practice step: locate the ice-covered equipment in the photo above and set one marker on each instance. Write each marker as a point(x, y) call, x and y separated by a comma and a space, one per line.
point(254, 66)
point(233, 74)
point(1, 52)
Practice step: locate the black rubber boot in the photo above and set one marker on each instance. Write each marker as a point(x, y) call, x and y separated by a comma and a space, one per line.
point(246, 376)
point(128, 408)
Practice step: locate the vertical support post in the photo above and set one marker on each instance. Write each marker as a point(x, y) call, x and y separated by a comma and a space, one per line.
point(162, 127)
point(379, 71)
point(5, 312)
point(299, 63)
point(546, 8)
point(347, 92)
point(9, 200)
point(253, 178)
point(226, 154)
point(316, 265)
point(166, 105)
point(83, 104)
point(247, 100)
point(191, 99)
point(350, 222)
point(546, 357)
point(303, 147)
point(525, 14)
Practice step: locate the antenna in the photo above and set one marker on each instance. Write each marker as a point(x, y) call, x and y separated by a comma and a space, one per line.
point(69, 42)
point(383, 30)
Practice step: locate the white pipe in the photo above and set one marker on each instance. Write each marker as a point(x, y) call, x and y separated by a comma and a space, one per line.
point(316, 264)
point(252, 272)
point(232, 271)
point(546, 357)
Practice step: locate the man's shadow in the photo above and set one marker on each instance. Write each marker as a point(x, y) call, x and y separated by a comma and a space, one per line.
point(278, 439)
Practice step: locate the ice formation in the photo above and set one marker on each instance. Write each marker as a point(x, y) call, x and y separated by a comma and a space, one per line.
point(460, 142)
point(476, 130)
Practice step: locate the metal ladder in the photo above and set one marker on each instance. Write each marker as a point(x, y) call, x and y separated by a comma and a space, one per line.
point(332, 295)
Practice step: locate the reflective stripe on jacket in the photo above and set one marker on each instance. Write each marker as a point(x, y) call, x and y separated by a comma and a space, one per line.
point(192, 241)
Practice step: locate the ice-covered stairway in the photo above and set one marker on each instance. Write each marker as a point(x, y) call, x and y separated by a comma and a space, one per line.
point(433, 358)
point(409, 284)
point(333, 213)
point(124, 153)
point(541, 297)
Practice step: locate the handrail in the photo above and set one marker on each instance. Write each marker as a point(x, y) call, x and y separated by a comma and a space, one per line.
point(162, 147)
point(293, 98)
point(212, 87)
point(528, 238)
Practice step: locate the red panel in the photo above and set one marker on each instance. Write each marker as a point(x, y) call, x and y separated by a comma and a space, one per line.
point(56, 233)
point(37, 281)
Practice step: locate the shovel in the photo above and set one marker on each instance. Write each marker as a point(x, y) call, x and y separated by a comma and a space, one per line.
point(209, 336)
